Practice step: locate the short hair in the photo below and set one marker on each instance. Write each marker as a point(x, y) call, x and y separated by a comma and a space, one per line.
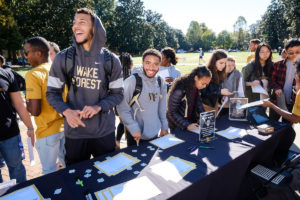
point(55, 46)
point(2, 59)
point(39, 44)
point(231, 58)
point(152, 52)
point(88, 12)
point(255, 41)
point(292, 43)
point(170, 53)
point(297, 64)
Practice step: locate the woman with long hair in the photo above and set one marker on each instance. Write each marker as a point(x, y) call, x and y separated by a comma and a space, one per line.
point(168, 62)
point(213, 92)
point(127, 64)
point(184, 99)
point(258, 72)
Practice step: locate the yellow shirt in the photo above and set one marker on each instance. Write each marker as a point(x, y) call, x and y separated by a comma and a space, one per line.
point(249, 58)
point(49, 122)
point(296, 107)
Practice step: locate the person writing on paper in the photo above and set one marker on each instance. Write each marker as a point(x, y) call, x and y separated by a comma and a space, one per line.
point(257, 72)
point(294, 116)
point(214, 91)
point(143, 111)
point(184, 99)
point(168, 62)
point(282, 79)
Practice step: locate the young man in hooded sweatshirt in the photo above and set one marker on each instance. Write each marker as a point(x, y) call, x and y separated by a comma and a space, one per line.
point(147, 116)
point(88, 111)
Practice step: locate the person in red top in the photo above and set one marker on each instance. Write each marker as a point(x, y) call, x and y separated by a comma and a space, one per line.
point(282, 79)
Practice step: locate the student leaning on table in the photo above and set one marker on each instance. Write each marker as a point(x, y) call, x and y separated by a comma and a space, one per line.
point(293, 117)
point(184, 101)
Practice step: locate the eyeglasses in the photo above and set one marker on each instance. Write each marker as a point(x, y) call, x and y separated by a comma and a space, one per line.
point(26, 52)
point(290, 53)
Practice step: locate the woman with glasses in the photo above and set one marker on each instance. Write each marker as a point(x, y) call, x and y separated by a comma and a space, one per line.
point(257, 72)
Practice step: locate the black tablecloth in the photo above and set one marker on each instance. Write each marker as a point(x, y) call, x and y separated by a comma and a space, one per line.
point(219, 173)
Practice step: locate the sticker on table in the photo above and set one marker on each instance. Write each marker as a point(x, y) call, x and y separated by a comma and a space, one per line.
point(139, 188)
point(173, 169)
point(117, 164)
point(27, 193)
point(166, 141)
point(71, 171)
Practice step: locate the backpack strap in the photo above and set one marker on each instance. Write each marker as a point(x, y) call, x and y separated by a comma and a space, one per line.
point(108, 64)
point(138, 89)
point(70, 65)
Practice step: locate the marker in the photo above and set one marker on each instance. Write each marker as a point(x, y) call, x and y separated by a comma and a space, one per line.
point(205, 147)
point(80, 182)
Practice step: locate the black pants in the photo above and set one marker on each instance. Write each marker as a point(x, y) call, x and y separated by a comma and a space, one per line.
point(274, 116)
point(78, 150)
point(131, 141)
point(120, 131)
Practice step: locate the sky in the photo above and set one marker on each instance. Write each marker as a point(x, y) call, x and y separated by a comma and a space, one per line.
point(218, 15)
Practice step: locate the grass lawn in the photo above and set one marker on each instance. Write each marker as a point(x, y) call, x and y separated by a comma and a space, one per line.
point(186, 61)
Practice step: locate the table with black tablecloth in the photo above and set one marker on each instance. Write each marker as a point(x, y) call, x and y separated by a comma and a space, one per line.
point(219, 174)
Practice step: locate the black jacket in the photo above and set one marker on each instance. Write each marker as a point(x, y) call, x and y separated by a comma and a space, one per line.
point(211, 94)
point(178, 103)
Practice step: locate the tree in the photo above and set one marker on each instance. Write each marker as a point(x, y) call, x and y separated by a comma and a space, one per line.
point(182, 40)
point(208, 39)
point(240, 30)
point(10, 37)
point(130, 31)
point(194, 35)
point(273, 25)
point(49, 19)
point(292, 16)
point(224, 40)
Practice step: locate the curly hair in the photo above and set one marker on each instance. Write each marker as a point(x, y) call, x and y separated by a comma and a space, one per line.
point(187, 82)
point(170, 53)
point(217, 76)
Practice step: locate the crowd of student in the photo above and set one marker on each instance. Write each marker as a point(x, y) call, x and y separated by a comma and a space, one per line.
point(75, 97)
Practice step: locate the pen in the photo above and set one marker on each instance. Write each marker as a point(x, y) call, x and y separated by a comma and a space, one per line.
point(137, 142)
point(193, 148)
point(80, 182)
point(205, 147)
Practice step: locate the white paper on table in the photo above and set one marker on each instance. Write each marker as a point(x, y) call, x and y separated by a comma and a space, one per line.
point(136, 189)
point(116, 164)
point(163, 73)
point(166, 141)
point(173, 169)
point(6, 185)
point(255, 103)
point(259, 89)
point(30, 152)
point(27, 193)
point(232, 133)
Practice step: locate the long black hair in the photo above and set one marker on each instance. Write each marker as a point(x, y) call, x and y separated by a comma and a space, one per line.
point(258, 69)
point(126, 62)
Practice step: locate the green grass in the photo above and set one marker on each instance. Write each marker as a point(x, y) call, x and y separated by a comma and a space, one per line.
point(186, 61)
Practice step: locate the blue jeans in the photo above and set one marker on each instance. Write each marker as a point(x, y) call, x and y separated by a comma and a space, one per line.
point(50, 149)
point(12, 155)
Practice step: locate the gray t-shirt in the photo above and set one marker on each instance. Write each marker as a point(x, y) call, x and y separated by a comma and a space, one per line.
point(289, 78)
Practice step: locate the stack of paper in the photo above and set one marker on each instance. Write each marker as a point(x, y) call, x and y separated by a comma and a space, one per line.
point(173, 169)
point(259, 89)
point(166, 141)
point(116, 164)
point(232, 133)
point(136, 189)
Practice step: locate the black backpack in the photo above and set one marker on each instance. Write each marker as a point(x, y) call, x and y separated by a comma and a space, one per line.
point(138, 88)
point(18, 77)
point(70, 65)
